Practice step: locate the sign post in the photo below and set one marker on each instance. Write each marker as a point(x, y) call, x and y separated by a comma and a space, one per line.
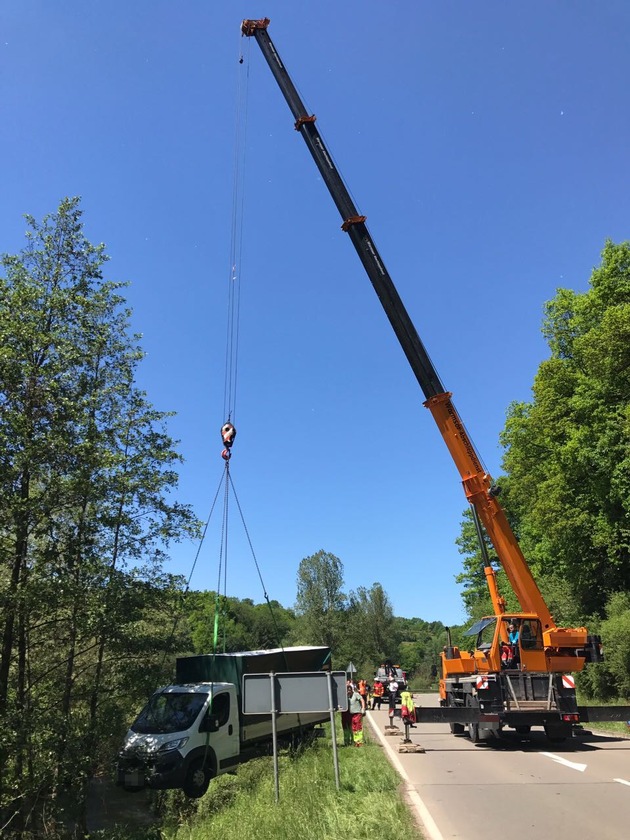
point(295, 693)
point(274, 735)
point(333, 729)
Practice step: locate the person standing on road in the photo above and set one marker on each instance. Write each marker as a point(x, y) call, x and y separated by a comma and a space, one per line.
point(352, 720)
point(393, 692)
point(377, 694)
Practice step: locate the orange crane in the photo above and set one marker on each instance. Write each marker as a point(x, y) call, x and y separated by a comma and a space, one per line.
point(517, 677)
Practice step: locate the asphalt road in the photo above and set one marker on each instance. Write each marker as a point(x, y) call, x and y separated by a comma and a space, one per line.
point(519, 788)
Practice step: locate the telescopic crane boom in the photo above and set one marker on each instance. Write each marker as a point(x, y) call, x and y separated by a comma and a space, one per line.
point(478, 485)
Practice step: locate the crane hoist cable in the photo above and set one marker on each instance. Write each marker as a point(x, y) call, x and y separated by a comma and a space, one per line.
point(228, 432)
point(228, 429)
point(236, 245)
point(186, 590)
point(251, 547)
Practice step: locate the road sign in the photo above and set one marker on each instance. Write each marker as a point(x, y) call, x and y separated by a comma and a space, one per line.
point(302, 692)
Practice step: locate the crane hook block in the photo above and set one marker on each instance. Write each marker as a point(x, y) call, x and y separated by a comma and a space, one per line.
point(228, 433)
point(226, 454)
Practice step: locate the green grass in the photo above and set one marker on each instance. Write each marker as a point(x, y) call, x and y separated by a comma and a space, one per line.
point(614, 727)
point(369, 803)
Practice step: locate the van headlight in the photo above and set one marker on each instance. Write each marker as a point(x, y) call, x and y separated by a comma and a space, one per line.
point(174, 745)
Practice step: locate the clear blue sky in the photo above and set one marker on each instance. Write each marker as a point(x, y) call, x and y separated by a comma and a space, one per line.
point(486, 142)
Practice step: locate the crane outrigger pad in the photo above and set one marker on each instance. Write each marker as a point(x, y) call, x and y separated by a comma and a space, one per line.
point(465, 714)
point(444, 714)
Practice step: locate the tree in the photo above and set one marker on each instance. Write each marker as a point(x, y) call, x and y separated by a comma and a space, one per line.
point(242, 625)
point(320, 601)
point(371, 635)
point(420, 648)
point(87, 473)
point(568, 451)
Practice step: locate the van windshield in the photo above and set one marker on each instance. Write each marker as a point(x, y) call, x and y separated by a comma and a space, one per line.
point(172, 712)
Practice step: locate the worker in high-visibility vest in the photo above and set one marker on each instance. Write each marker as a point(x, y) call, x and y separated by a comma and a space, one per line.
point(363, 691)
point(377, 694)
point(407, 708)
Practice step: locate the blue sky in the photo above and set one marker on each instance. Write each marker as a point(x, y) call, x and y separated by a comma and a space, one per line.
point(487, 144)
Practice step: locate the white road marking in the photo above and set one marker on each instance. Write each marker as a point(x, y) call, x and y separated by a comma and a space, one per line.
point(572, 764)
point(622, 782)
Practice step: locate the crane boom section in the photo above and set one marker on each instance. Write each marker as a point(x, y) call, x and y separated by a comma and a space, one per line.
point(478, 488)
point(477, 483)
point(353, 222)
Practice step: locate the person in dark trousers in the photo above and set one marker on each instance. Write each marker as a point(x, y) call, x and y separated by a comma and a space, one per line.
point(393, 692)
point(377, 694)
point(364, 690)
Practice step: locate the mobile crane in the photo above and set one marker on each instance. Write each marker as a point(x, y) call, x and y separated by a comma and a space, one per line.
point(520, 683)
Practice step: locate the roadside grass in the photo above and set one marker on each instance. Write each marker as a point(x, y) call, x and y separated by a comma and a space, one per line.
point(368, 804)
point(613, 726)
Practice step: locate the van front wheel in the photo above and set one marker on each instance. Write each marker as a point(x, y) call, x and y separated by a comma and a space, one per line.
point(197, 778)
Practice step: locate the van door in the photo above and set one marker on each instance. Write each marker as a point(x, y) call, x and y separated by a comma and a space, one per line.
point(219, 727)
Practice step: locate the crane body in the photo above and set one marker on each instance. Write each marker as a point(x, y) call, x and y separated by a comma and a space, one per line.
point(478, 688)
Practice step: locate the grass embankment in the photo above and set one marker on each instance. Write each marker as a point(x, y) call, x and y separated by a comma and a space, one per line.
point(613, 727)
point(369, 803)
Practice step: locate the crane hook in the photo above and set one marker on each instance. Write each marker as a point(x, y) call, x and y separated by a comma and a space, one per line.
point(228, 433)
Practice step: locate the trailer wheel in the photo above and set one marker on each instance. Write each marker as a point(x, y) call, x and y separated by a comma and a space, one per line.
point(198, 777)
point(456, 728)
point(473, 728)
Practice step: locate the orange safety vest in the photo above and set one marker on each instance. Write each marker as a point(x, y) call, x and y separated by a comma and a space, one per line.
point(362, 688)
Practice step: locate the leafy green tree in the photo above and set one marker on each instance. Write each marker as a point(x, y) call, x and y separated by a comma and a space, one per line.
point(320, 602)
point(86, 480)
point(420, 648)
point(242, 625)
point(371, 636)
point(568, 451)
